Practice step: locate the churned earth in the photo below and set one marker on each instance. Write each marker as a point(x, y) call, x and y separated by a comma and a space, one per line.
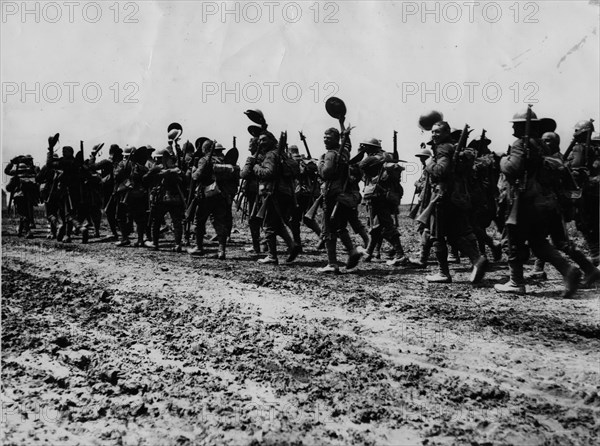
point(126, 346)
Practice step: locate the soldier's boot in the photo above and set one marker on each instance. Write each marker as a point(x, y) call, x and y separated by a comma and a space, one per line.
point(354, 254)
point(27, 229)
point(178, 235)
point(221, 255)
point(124, 235)
point(537, 273)
point(294, 248)
point(141, 231)
point(591, 278)
point(516, 282)
point(571, 281)
point(332, 266)
point(468, 246)
point(62, 230)
point(421, 261)
point(53, 227)
point(85, 234)
point(443, 274)
point(271, 258)
point(295, 226)
point(370, 249)
point(68, 231)
point(20, 230)
point(198, 250)
point(592, 274)
point(454, 256)
point(399, 258)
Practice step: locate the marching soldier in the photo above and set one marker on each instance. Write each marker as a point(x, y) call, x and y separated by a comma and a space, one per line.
point(561, 183)
point(382, 182)
point(165, 181)
point(449, 220)
point(214, 196)
point(483, 182)
point(24, 191)
point(532, 201)
point(583, 158)
point(423, 191)
point(133, 201)
point(334, 171)
point(47, 178)
point(277, 194)
point(250, 189)
point(306, 190)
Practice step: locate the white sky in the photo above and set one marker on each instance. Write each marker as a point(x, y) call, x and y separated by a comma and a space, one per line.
point(177, 52)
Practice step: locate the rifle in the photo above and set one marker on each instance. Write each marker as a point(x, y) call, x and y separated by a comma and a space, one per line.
point(521, 184)
point(462, 142)
point(303, 139)
point(395, 153)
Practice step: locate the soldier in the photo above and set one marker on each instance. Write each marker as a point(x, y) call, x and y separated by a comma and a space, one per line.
point(275, 187)
point(108, 187)
point(214, 196)
point(69, 193)
point(249, 187)
point(449, 222)
point(562, 182)
point(583, 158)
point(531, 202)
point(306, 190)
point(133, 201)
point(483, 182)
point(423, 190)
point(48, 179)
point(382, 181)
point(165, 181)
point(334, 171)
point(24, 190)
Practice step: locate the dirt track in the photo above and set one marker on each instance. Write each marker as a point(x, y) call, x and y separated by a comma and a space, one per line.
point(102, 345)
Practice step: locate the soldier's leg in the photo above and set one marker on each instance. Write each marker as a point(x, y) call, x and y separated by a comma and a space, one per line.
point(426, 245)
point(341, 224)
point(222, 222)
point(123, 220)
point(358, 227)
point(295, 220)
point(329, 235)
point(286, 206)
point(271, 223)
point(591, 234)
point(177, 211)
point(391, 234)
point(111, 215)
point(203, 211)
point(518, 253)
point(440, 247)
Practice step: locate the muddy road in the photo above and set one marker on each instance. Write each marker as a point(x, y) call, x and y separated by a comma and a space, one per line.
point(126, 346)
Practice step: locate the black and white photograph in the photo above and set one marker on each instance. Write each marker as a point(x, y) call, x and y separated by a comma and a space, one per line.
point(300, 223)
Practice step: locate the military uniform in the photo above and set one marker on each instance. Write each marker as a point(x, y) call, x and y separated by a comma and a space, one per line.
point(133, 196)
point(383, 194)
point(214, 198)
point(449, 221)
point(334, 170)
point(275, 189)
point(24, 190)
point(165, 182)
point(584, 161)
point(531, 194)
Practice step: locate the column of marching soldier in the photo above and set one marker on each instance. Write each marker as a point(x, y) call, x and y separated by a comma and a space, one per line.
point(529, 193)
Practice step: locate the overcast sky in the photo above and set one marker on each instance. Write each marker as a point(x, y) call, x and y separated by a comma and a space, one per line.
point(172, 61)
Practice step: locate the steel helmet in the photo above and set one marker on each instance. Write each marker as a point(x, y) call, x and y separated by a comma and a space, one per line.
point(426, 153)
point(584, 127)
point(522, 116)
point(373, 142)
